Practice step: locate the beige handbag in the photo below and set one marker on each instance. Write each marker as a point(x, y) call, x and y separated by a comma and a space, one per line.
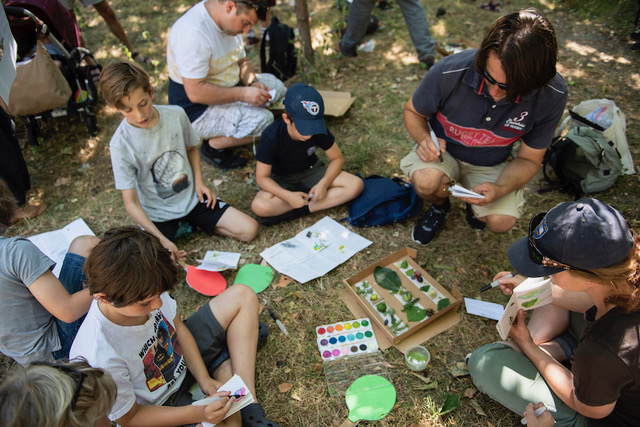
point(39, 86)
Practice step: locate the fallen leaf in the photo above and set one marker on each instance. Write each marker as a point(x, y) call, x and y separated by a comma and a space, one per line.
point(451, 402)
point(285, 387)
point(296, 397)
point(217, 182)
point(430, 386)
point(461, 270)
point(388, 365)
point(469, 393)
point(478, 408)
point(489, 424)
point(460, 369)
point(283, 282)
point(61, 181)
point(423, 378)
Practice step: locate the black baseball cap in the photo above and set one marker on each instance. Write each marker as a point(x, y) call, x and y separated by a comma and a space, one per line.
point(305, 106)
point(586, 234)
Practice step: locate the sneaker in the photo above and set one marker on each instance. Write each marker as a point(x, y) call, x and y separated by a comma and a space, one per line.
point(349, 52)
point(427, 227)
point(222, 159)
point(474, 222)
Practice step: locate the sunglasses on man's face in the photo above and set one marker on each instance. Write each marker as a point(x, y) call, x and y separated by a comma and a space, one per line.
point(493, 81)
point(72, 372)
point(537, 256)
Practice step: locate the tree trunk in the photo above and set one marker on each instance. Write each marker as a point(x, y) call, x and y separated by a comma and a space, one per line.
point(302, 14)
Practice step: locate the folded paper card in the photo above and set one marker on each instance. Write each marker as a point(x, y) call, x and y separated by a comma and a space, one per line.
point(532, 293)
point(235, 385)
point(459, 191)
point(219, 261)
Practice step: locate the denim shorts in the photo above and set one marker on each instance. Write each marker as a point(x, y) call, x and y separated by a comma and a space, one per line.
point(72, 278)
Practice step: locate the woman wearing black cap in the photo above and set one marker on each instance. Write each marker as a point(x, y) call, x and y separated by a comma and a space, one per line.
point(593, 259)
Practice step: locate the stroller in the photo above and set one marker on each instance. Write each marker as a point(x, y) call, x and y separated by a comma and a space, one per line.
point(35, 21)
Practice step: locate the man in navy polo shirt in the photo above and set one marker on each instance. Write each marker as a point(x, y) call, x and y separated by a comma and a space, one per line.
point(479, 103)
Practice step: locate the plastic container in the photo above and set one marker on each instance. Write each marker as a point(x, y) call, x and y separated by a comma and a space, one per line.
point(417, 358)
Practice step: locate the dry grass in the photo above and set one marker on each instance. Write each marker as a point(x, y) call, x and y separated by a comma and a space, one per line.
point(595, 59)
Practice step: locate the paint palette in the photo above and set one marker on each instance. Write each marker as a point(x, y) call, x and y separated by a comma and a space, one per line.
point(344, 339)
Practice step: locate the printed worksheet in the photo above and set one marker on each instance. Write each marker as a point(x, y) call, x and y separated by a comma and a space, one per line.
point(55, 244)
point(315, 250)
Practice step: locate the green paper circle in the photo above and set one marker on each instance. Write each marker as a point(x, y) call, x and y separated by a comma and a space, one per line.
point(370, 397)
point(257, 277)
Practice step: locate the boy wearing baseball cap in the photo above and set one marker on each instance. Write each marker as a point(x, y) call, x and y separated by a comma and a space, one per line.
point(293, 181)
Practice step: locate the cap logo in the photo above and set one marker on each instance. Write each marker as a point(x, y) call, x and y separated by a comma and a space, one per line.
point(312, 107)
point(541, 229)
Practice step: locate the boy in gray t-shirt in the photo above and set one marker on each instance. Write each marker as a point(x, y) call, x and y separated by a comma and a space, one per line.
point(156, 164)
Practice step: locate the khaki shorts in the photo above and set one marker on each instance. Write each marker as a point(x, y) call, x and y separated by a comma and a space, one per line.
point(469, 176)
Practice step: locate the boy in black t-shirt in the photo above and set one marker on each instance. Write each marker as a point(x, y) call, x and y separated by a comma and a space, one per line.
point(292, 179)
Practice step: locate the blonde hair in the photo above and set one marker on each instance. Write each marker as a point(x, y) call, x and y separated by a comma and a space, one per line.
point(623, 278)
point(42, 395)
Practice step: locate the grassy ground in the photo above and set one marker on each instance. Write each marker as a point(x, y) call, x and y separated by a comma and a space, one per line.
point(72, 173)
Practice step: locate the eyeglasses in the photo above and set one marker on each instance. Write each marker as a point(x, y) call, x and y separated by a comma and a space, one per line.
point(261, 9)
point(537, 256)
point(72, 372)
point(493, 81)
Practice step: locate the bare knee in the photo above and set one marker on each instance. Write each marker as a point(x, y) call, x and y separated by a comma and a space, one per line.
point(259, 206)
point(427, 182)
point(82, 245)
point(500, 223)
point(250, 231)
point(246, 295)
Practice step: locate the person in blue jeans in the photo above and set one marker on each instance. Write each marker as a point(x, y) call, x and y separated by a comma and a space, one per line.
point(39, 313)
point(415, 17)
point(580, 354)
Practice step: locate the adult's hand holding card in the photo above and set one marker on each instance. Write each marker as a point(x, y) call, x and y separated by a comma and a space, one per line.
point(459, 191)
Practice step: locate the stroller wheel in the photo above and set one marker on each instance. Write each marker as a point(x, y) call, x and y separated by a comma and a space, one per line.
point(91, 122)
point(32, 132)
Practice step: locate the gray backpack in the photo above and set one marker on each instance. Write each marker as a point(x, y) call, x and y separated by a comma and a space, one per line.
point(582, 161)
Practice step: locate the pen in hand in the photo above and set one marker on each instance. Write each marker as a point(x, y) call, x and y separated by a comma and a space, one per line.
point(434, 138)
point(495, 282)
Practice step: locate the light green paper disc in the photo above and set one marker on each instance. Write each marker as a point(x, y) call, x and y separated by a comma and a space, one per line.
point(370, 397)
point(257, 277)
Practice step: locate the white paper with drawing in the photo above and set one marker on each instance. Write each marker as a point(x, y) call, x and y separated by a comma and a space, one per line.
point(236, 386)
point(219, 261)
point(315, 250)
point(532, 293)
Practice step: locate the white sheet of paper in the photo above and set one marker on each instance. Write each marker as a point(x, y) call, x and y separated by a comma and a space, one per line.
point(219, 261)
point(8, 60)
point(490, 310)
point(236, 386)
point(460, 191)
point(55, 244)
point(314, 251)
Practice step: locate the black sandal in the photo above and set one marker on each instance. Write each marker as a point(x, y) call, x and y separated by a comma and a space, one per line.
point(491, 7)
point(253, 415)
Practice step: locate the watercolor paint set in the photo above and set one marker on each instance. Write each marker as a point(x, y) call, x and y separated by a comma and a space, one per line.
point(343, 339)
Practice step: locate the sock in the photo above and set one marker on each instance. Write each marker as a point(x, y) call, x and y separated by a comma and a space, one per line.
point(445, 206)
point(287, 216)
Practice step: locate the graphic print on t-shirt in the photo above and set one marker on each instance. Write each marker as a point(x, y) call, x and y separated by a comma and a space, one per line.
point(169, 174)
point(161, 355)
point(475, 137)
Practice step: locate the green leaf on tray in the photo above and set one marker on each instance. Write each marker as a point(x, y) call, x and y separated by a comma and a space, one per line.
point(387, 278)
point(415, 314)
point(451, 402)
point(409, 272)
point(404, 264)
point(444, 302)
point(425, 288)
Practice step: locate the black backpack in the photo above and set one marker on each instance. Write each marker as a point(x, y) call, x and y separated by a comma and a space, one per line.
point(282, 59)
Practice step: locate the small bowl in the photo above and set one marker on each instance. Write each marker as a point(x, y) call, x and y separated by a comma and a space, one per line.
point(417, 357)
